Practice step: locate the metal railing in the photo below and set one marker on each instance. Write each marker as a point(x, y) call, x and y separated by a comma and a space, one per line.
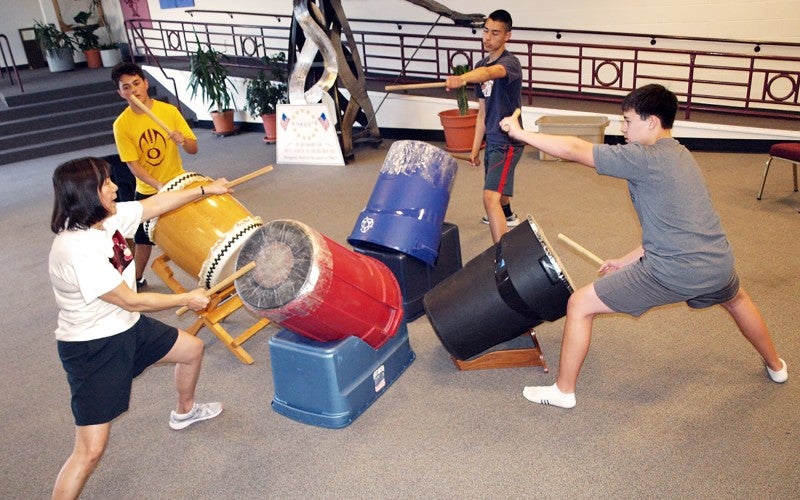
point(4, 45)
point(594, 66)
point(138, 34)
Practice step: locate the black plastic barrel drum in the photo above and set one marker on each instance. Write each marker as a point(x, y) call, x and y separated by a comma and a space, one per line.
point(501, 294)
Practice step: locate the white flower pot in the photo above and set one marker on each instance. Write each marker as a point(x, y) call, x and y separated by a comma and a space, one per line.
point(61, 60)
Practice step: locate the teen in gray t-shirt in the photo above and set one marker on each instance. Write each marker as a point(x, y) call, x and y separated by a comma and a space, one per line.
point(684, 255)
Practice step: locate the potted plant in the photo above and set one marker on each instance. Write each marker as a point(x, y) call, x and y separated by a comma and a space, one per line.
point(56, 45)
point(210, 77)
point(87, 40)
point(110, 54)
point(264, 93)
point(459, 124)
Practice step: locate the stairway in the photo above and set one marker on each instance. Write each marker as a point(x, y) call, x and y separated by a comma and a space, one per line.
point(69, 118)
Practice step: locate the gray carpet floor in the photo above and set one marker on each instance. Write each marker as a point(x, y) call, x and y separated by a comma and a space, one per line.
point(674, 404)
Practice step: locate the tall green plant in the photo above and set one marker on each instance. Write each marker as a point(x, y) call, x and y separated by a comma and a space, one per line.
point(50, 38)
point(84, 32)
point(96, 6)
point(210, 77)
point(461, 93)
point(264, 92)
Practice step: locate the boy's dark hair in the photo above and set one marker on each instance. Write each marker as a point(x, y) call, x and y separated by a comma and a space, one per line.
point(126, 68)
point(653, 100)
point(501, 16)
point(77, 184)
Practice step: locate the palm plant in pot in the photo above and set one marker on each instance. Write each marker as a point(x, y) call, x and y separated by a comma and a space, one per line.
point(56, 45)
point(264, 93)
point(209, 77)
point(87, 40)
point(459, 124)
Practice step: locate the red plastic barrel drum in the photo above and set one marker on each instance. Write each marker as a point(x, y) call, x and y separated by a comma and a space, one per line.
point(315, 287)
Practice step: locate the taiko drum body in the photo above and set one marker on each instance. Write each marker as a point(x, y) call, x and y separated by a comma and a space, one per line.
point(204, 236)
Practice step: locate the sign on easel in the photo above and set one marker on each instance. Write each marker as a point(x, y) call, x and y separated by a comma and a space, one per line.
point(306, 134)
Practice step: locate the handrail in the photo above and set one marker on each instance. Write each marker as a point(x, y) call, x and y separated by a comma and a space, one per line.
point(13, 63)
point(716, 79)
point(156, 61)
point(757, 44)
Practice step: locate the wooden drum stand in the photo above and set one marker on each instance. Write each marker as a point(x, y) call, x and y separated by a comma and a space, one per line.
point(224, 302)
point(507, 358)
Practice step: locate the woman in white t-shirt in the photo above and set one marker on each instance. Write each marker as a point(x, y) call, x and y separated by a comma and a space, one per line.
point(103, 340)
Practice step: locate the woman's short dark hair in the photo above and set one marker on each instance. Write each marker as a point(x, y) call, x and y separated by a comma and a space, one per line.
point(653, 100)
point(77, 184)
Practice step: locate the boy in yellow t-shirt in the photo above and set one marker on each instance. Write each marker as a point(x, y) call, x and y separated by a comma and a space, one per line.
point(152, 156)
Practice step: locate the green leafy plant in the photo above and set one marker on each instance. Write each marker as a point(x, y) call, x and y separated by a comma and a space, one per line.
point(51, 39)
point(461, 93)
point(209, 77)
point(264, 92)
point(96, 6)
point(84, 33)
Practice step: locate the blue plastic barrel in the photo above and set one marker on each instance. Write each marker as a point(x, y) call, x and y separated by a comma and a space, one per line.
point(408, 203)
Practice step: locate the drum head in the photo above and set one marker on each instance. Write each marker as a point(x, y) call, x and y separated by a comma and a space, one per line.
point(284, 253)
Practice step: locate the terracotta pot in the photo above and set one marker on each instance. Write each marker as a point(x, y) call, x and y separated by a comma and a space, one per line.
point(270, 127)
point(459, 131)
point(93, 59)
point(223, 122)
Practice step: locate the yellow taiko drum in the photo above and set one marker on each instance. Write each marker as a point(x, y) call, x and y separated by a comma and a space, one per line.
point(203, 237)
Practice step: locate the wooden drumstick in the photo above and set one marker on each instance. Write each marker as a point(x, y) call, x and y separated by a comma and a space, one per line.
point(139, 104)
point(244, 178)
point(224, 283)
point(514, 115)
point(461, 157)
point(251, 175)
point(580, 249)
point(412, 86)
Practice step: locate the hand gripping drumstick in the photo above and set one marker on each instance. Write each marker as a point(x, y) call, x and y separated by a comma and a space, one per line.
point(223, 284)
point(139, 104)
point(514, 115)
point(247, 177)
point(412, 86)
point(240, 180)
point(580, 249)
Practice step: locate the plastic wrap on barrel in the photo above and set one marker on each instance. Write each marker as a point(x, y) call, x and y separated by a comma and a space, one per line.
point(315, 287)
point(429, 162)
point(288, 270)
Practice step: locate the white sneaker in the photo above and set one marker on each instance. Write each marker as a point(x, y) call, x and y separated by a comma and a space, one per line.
point(549, 395)
point(781, 375)
point(511, 221)
point(200, 411)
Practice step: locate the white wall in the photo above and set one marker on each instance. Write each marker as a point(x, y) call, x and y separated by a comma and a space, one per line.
point(21, 14)
point(771, 20)
point(18, 14)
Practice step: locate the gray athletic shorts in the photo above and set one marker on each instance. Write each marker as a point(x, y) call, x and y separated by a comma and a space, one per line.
point(632, 290)
point(500, 162)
